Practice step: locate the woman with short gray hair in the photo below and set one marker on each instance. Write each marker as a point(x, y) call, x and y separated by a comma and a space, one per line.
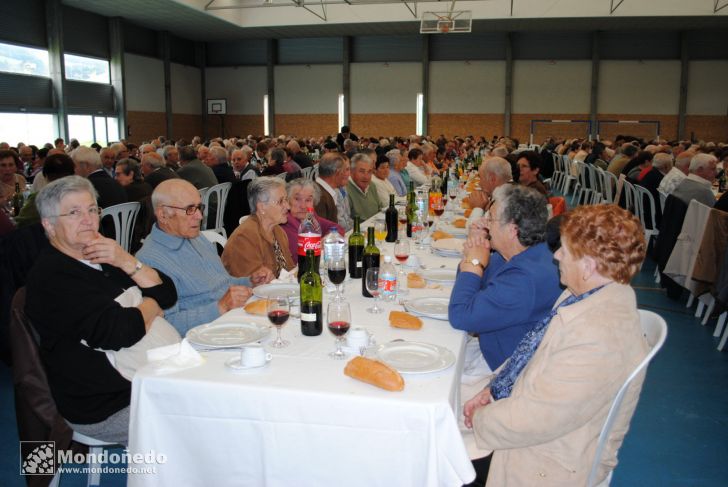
point(504, 294)
point(72, 294)
point(303, 194)
point(259, 243)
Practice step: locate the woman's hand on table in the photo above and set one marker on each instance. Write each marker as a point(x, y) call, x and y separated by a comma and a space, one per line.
point(483, 398)
point(262, 276)
point(235, 297)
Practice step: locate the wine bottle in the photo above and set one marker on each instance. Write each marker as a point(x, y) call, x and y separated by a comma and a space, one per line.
point(17, 199)
point(311, 299)
point(411, 208)
point(370, 260)
point(356, 250)
point(391, 218)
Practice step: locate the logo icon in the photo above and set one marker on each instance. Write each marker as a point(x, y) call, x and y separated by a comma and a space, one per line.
point(41, 459)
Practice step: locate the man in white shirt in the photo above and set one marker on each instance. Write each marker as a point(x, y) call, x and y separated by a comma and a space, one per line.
point(698, 185)
point(380, 180)
point(416, 167)
point(677, 174)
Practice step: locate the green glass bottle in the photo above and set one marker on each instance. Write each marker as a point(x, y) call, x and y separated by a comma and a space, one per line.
point(356, 250)
point(370, 260)
point(411, 208)
point(311, 299)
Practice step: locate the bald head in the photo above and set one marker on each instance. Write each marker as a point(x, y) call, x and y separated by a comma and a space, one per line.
point(168, 192)
point(494, 172)
point(175, 203)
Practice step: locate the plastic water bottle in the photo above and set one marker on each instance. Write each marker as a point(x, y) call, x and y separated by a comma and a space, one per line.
point(309, 238)
point(388, 280)
point(334, 246)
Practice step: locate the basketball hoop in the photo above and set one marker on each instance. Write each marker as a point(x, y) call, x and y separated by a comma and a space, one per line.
point(444, 28)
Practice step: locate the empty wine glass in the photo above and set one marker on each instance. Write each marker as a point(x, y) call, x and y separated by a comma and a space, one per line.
point(372, 284)
point(337, 274)
point(338, 319)
point(278, 312)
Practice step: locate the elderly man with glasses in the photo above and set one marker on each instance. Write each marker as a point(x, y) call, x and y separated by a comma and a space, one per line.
point(205, 290)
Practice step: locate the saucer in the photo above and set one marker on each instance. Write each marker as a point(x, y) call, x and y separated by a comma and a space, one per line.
point(234, 365)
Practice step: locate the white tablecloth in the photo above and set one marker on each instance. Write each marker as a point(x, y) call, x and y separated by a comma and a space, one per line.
point(300, 420)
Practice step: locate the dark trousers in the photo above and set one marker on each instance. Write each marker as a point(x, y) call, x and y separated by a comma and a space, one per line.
point(481, 465)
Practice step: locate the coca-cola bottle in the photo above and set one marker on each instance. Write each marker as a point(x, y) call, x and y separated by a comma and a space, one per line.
point(309, 238)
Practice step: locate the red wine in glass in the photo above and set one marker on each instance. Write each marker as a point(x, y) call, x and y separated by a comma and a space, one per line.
point(403, 218)
point(452, 196)
point(439, 210)
point(339, 328)
point(401, 258)
point(430, 223)
point(337, 276)
point(278, 316)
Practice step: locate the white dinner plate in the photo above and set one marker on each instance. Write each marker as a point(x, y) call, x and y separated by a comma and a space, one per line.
point(225, 335)
point(428, 307)
point(415, 357)
point(267, 291)
point(440, 275)
point(449, 245)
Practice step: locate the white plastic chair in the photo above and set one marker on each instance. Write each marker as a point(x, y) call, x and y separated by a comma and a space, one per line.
point(282, 175)
point(557, 178)
point(124, 217)
point(95, 448)
point(654, 329)
point(582, 191)
point(643, 195)
point(220, 191)
point(242, 219)
point(719, 328)
point(214, 237)
point(308, 172)
point(610, 186)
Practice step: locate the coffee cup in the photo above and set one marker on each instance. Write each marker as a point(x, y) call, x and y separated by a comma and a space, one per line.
point(357, 338)
point(254, 355)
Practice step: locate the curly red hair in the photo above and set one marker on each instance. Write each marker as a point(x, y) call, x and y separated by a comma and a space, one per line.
point(610, 235)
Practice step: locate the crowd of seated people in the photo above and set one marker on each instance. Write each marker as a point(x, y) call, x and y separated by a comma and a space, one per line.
point(507, 283)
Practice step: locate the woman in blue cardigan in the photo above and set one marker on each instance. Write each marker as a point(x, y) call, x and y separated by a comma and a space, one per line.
point(507, 280)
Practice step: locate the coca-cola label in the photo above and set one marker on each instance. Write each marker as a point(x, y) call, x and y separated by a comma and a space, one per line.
point(309, 241)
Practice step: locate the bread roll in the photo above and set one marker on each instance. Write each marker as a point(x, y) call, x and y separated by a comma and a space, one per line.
point(400, 319)
point(259, 307)
point(415, 281)
point(460, 222)
point(468, 212)
point(375, 373)
point(438, 234)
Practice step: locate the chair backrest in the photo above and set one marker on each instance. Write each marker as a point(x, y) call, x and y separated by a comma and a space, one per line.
point(282, 175)
point(610, 185)
point(220, 191)
point(629, 198)
point(124, 217)
point(648, 208)
point(37, 417)
point(214, 237)
point(663, 198)
point(654, 330)
point(203, 192)
point(308, 172)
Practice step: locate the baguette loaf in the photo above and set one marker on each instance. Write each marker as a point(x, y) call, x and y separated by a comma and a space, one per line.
point(375, 373)
point(460, 222)
point(400, 319)
point(258, 307)
point(438, 234)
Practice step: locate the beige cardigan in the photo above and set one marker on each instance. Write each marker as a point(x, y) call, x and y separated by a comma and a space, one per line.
point(248, 249)
point(546, 432)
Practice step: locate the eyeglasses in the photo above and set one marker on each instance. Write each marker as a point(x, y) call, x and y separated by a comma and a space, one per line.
point(189, 210)
point(281, 202)
point(77, 214)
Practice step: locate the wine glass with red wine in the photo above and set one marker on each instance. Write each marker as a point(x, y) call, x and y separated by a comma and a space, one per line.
point(278, 312)
point(337, 274)
point(401, 251)
point(338, 319)
point(439, 209)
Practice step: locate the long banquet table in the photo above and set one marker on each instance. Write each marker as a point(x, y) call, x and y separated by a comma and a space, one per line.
point(301, 421)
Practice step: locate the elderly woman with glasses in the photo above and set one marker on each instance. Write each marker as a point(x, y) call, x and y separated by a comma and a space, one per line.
point(544, 409)
point(302, 195)
point(73, 299)
point(507, 281)
point(259, 244)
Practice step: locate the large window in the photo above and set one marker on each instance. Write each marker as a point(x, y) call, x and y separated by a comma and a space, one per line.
point(29, 128)
point(23, 60)
point(88, 129)
point(82, 68)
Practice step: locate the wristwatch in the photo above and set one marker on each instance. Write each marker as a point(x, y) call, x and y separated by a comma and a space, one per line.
point(137, 267)
point(477, 263)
